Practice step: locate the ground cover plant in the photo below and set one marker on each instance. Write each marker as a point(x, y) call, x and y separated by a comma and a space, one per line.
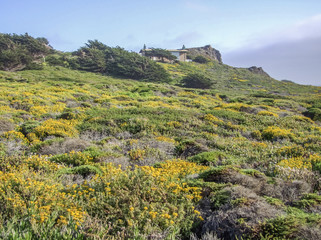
point(89, 156)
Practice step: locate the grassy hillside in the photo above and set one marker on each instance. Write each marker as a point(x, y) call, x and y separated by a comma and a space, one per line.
point(87, 156)
point(227, 79)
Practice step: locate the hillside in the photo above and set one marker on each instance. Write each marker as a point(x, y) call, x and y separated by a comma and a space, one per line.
point(78, 155)
point(100, 155)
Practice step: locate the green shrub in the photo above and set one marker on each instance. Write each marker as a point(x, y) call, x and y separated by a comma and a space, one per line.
point(219, 198)
point(208, 158)
point(28, 127)
point(251, 172)
point(313, 113)
point(316, 166)
point(201, 59)
point(83, 170)
point(310, 199)
point(68, 114)
point(274, 201)
point(273, 133)
point(197, 80)
point(34, 66)
point(78, 158)
point(280, 227)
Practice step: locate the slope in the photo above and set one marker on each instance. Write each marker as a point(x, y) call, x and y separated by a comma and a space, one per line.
point(90, 156)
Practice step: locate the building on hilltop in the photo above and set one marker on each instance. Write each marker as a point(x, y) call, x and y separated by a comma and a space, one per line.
point(164, 55)
point(181, 54)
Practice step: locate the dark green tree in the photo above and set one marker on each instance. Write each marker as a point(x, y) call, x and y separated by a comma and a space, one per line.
point(18, 52)
point(201, 59)
point(97, 57)
point(160, 53)
point(196, 80)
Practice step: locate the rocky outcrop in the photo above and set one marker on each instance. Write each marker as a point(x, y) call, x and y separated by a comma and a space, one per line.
point(258, 70)
point(206, 51)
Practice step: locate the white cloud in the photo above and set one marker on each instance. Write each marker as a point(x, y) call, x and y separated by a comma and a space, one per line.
point(294, 53)
point(305, 29)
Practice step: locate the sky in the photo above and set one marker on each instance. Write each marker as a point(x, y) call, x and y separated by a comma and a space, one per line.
point(282, 36)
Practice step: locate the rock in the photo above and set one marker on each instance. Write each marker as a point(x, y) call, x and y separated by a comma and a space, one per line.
point(258, 70)
point(206, 51)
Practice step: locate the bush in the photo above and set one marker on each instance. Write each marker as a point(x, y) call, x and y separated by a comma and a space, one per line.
point(196, 80)
point(189, 148)
point(280, 227)
point(208, 158)
point(201, 59)
point(313, 113)
point(72, 158)
point(83, 170)
point(33, 66)
point(274, 133)
point(28, 127)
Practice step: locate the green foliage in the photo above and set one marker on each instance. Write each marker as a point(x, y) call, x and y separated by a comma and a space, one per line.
point(309, 200)
point(201, 59)
point(197, 80)
point(251, 172)
point(220, 198)
point(160, 53)
point(274, 201)
point(19, 52)
point(83, 170)
point(28, 127)
point(313, 113)
point(99, 58)
point(16, 229)
point(214, 172)
point(51, 116)
point(316, 166)
point(73, 158)
point(208, 158)
point(280, 227)
point(274, 133)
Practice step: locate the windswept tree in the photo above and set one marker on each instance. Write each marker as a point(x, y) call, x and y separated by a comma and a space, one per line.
point(97, 57)
point(160, 53)
point(93, 57)
point(19, 52)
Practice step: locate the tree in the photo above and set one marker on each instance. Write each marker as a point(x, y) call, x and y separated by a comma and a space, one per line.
point(97, 57)
point(18, 52)
point(196, 80)
point(201, 59)
point(183, 48)
point(160, 53)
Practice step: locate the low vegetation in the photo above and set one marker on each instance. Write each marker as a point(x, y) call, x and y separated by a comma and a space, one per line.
point(89, 155)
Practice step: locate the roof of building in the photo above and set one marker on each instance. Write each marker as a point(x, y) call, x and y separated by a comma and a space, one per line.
point(170, 50)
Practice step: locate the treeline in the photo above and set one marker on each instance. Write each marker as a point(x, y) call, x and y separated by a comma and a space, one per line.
point(18, 52)
point(99, 58)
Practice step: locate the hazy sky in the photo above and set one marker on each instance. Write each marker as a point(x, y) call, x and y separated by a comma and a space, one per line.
point(282, 36)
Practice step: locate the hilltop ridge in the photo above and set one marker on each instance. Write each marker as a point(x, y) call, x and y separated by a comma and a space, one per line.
point(207, 51)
